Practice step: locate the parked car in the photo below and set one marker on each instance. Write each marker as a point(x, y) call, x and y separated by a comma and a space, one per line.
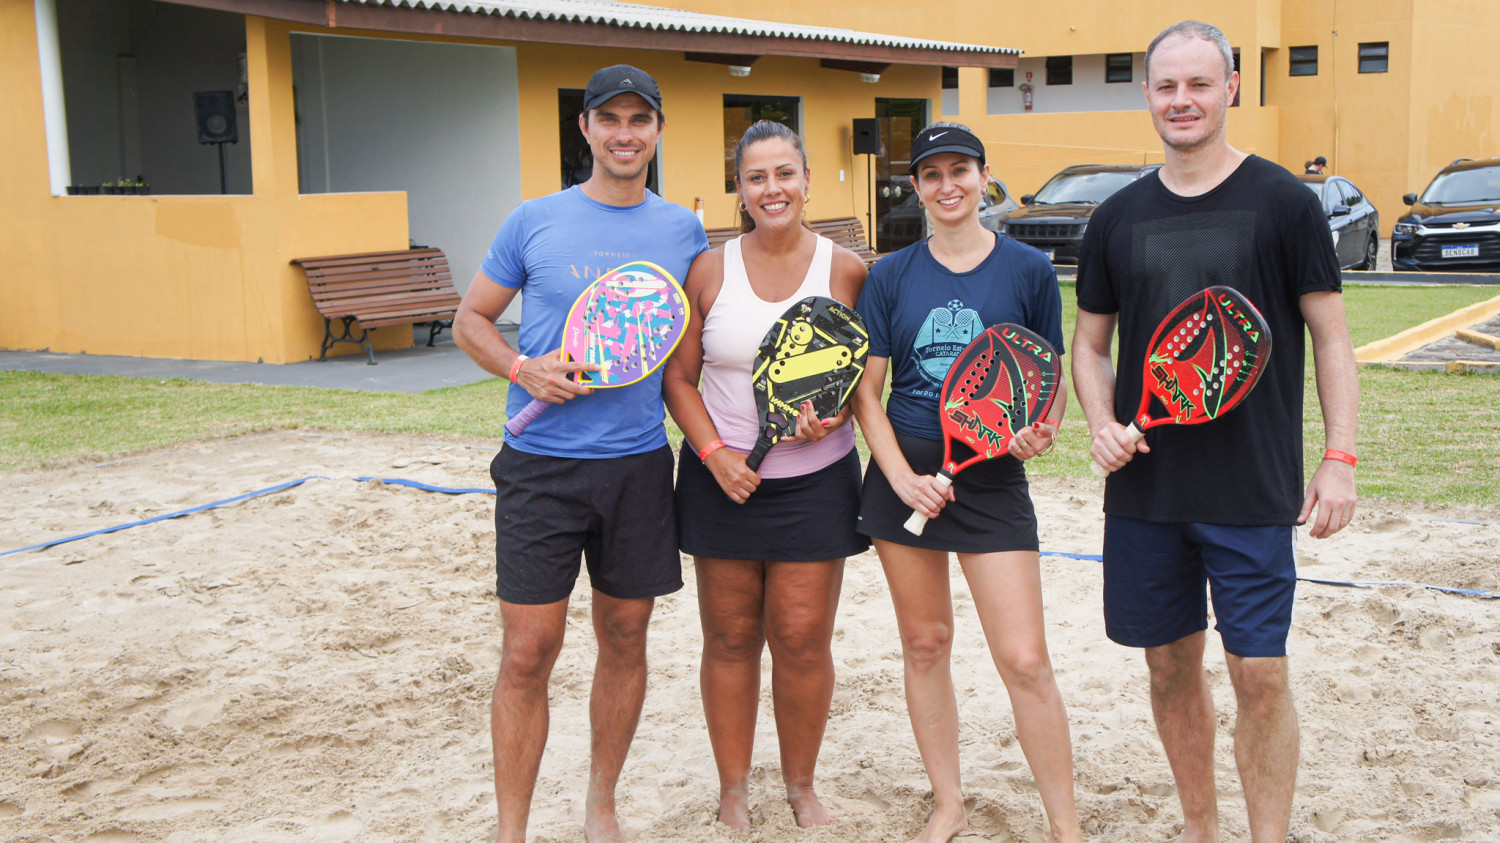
point(1351, 217)
point(1455, 223)
point(907, 221)
point(1053, 219)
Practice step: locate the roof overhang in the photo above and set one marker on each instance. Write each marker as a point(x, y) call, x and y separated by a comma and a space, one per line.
point(603, 23)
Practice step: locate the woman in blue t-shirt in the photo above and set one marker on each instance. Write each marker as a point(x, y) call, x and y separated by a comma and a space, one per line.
point(922, 305)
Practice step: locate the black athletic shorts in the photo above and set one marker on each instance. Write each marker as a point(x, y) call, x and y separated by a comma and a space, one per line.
point(808, 518)
point(617, 512)
point(993, 513)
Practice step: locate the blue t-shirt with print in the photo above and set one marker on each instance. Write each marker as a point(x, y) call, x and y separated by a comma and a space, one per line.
point(552, 247)
point(921, 315)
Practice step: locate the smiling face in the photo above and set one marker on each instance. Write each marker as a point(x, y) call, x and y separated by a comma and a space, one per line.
point(773, 182)
point(1188, 91)
point(622, 134)
point(951, 186)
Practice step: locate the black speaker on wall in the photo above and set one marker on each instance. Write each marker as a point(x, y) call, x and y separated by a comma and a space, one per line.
point(867, 136)
point(214, 111)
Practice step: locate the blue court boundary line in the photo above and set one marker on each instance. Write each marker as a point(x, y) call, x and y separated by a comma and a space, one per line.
point(180, 513)
point(1485, 594)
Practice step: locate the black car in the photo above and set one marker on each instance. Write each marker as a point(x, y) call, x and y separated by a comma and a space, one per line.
point(1455, 223)
point(1351, 217)
point(1053, 219)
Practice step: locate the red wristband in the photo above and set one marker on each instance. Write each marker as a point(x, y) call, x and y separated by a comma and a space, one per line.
point(515, 368)
point(1341, 456)
point(709, 449)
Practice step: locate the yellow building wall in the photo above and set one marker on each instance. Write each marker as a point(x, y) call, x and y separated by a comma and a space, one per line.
point(1455, 85)
point(1356, 120)
point(197, 277)
point(1026, 149)
point(1058, 27)
point(692, 149)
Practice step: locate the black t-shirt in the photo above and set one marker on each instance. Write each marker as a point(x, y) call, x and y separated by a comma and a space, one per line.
point(1145, 250)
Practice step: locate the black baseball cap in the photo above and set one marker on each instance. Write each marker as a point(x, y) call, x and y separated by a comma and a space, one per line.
point(610, 82)
point(935, 139)
point(1321, 161)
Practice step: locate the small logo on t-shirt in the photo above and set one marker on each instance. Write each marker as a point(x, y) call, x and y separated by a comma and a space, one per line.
point(942, 337)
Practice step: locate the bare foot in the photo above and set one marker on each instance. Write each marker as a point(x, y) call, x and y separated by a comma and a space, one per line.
point(943, 825)
point(734, 807)
point(806, 807)
point(600, 825)
point(1199, 835)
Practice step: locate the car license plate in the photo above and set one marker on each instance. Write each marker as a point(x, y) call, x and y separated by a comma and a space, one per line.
point(1052, 253)
point(1468, 251)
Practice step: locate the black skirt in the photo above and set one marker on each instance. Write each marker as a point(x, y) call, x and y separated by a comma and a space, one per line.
point(993, 513)
point(809, 518)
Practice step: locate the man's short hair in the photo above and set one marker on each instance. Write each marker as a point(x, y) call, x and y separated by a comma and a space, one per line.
point(1194, 29)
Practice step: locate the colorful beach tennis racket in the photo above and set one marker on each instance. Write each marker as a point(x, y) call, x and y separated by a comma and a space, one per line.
point(815, 352)
point(1005, 379)
point(1204, 358)
point(628, 322)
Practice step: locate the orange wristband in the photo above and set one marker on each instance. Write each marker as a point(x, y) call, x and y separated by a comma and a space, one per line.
point(709, 449)
point(515, 368)
point(1341, 456)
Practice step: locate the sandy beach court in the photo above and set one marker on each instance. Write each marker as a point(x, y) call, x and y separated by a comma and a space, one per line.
point(316, 665)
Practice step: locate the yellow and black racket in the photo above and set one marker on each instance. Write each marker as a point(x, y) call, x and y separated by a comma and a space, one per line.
point(815, 352)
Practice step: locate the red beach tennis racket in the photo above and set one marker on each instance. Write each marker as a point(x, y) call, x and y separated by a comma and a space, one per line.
point(628, 322)
point(1204, 358)
point(815, 352)
point(1003, 381)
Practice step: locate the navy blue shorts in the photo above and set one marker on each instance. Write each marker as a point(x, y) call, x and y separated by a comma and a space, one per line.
point(617, 513)
point(1157, 578)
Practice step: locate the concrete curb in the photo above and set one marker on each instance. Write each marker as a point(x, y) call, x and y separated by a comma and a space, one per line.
point(1393, 348)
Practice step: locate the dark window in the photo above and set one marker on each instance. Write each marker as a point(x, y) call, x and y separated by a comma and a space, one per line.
point(743, 110)
point(1352, 196)
point(1002, 77)
point(950, 78)
point(1374, 57)
point(1237, 70)
point(1117, 67)
point(1059, 70)
point(1304, 61)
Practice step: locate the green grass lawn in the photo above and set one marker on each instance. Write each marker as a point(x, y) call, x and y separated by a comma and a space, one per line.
point(1426, 437)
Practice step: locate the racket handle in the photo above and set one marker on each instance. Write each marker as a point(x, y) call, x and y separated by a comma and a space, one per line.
point(527, 415)
point(758, 453)
point(918, 522)
point(1136, 435)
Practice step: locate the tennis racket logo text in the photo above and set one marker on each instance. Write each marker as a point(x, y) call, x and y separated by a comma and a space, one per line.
point(1017, 340)
point(1232, 308)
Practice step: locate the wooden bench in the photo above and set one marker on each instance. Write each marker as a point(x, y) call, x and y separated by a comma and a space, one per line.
point(848, 232)
point(377, 289)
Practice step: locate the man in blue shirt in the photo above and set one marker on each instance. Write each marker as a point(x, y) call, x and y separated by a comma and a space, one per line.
point(590, 477)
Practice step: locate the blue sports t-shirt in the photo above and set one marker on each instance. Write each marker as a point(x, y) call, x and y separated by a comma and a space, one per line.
point(551, 248)
point(920, 315)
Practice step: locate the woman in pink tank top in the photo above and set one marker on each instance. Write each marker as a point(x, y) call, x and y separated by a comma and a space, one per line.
point(768, 547)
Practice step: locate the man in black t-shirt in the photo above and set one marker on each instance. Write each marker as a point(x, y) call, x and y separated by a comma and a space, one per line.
point(1213, 507)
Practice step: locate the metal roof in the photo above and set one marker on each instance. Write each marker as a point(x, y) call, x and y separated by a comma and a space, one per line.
point(633, 16)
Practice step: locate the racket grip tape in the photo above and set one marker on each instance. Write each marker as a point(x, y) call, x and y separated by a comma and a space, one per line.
point(527, 415)
point(758, 453)
point(1136, 435)
point(918, 522)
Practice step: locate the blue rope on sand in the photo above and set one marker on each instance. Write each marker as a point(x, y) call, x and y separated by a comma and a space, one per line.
point(178, 514)
point(1486, 594)
point(391, 481)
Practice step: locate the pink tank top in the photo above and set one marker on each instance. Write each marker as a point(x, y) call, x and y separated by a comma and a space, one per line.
point(732, 332)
